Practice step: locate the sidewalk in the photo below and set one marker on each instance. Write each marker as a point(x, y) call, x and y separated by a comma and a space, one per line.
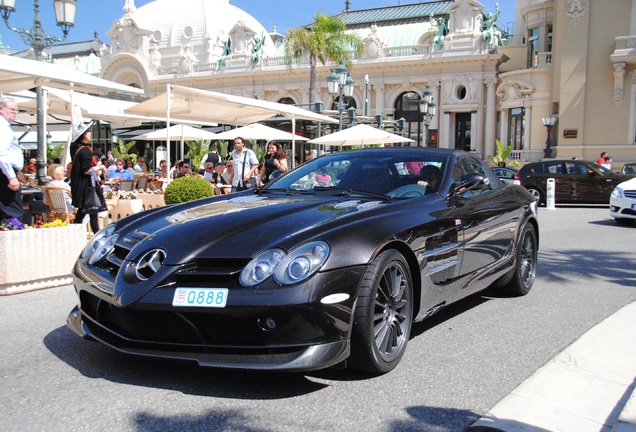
point(589, 387)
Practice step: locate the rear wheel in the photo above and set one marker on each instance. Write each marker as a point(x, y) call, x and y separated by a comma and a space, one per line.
point(525, 267)
point(537, 195)
point(383, 315)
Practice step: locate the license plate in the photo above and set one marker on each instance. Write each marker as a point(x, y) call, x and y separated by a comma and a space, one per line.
point(200, 297)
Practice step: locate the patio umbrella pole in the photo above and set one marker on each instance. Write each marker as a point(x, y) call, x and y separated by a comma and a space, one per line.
point(168, 131)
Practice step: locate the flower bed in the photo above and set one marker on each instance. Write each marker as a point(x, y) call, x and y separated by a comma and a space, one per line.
point(39, 258)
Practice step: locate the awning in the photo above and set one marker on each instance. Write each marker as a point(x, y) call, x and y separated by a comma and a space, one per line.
point(203, 105)
point(22, 74)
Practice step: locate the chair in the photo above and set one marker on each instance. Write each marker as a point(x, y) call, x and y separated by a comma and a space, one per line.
point(126, 185)
point(56, 196)
point(142, 182)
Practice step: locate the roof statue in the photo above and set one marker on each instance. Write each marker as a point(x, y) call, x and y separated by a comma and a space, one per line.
point(489, 33)
point(442, 31)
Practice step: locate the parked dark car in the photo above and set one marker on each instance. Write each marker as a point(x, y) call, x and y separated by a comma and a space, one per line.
point(629, 168)
point(576, 181)
point(505, 174)
point(305, 274)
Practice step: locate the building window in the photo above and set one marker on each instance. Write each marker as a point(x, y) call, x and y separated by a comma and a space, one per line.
point(533, 47)
point(287, 101)
point(516, 128)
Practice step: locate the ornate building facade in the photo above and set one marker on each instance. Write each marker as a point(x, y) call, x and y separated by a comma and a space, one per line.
point(571, 59)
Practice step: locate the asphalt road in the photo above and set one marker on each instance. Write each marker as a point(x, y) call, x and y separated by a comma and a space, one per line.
point(458, 365)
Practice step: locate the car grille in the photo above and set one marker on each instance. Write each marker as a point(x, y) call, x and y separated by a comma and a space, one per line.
point(630, 194)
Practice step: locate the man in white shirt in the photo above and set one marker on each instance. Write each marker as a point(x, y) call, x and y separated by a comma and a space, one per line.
point(245, 165)
point(11, 162)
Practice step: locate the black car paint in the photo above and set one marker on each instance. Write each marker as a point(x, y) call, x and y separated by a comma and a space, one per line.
point(576, 181)
point(454, 245)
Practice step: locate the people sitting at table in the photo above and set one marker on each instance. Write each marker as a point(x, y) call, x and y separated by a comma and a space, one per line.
point(184, 170)
point(229, 172)
point(218, 176)
point(208, 171)
point(128, 166)
point(120, 172)
point(58, 181)
point(162, 171)
point(140, 166)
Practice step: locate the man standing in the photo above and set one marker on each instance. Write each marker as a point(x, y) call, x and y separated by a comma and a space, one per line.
point(11, 162)
point(245, 165)
point(212, 156)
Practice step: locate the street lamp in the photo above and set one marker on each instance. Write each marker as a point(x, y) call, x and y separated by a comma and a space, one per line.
point(340, 83)
point(427, 111)
point(549, 123)
point(38, 41)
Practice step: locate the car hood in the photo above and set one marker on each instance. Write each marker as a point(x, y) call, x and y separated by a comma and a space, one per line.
point(629, 184)
point(241, 226)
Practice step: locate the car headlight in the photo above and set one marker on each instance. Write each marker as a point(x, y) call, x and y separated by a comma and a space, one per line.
point(102, 243)
point(287, 269)
point(617, 192)
point(261, 267)
point(301, 263)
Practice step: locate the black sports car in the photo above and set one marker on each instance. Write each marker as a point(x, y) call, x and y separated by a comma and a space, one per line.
point(329, 263)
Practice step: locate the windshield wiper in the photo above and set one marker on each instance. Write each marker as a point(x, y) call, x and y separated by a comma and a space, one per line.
point(348, 192)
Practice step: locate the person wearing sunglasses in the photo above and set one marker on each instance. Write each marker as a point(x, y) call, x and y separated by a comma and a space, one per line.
point(184, 170)
point(11, 162)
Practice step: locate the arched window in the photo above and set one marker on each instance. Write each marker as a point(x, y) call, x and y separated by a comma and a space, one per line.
point(287, 101)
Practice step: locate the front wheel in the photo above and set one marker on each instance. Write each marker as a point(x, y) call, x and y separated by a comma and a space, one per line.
point(525, 267)
point(383, 315)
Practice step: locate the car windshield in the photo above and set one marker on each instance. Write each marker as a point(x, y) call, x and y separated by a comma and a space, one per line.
point(378, 174)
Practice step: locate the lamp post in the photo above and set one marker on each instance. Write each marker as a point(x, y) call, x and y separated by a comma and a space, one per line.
point(340, 83)
point(549, 123)
point(427, 111)
point(38, 41)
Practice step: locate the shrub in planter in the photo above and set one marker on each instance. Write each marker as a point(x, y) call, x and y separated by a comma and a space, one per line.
point(186, 189)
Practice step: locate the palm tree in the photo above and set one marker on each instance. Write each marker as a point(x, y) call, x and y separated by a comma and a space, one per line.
point(325, 40)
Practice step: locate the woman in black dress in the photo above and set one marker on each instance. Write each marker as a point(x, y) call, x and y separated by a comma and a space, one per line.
point(275, 160)
point(81, 172)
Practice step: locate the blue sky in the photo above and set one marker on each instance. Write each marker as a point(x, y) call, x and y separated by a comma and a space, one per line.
point(98, 15)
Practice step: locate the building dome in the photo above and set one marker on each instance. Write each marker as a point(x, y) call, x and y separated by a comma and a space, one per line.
point(198, 22)
point(183, 37)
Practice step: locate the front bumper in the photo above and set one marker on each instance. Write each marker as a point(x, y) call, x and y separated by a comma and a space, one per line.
point(267, 328)
point(623, 208)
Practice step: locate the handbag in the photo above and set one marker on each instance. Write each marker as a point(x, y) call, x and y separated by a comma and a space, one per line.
point(250, 183)
point(94, 201)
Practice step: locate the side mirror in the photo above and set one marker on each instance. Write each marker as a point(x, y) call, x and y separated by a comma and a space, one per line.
point(470, 181)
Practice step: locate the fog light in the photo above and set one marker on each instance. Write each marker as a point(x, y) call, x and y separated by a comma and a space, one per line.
point(267, 324)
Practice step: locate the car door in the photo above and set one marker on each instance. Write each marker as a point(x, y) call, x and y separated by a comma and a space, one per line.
point(585, 185)
point(488, 218)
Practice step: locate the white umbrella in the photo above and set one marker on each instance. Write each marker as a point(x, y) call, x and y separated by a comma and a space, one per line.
point(360, 135)
point(177, 132)
point(259, 131)
point(203, 105)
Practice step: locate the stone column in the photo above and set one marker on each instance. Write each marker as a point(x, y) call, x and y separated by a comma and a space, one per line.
point(491, 116)
point(379, 99)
